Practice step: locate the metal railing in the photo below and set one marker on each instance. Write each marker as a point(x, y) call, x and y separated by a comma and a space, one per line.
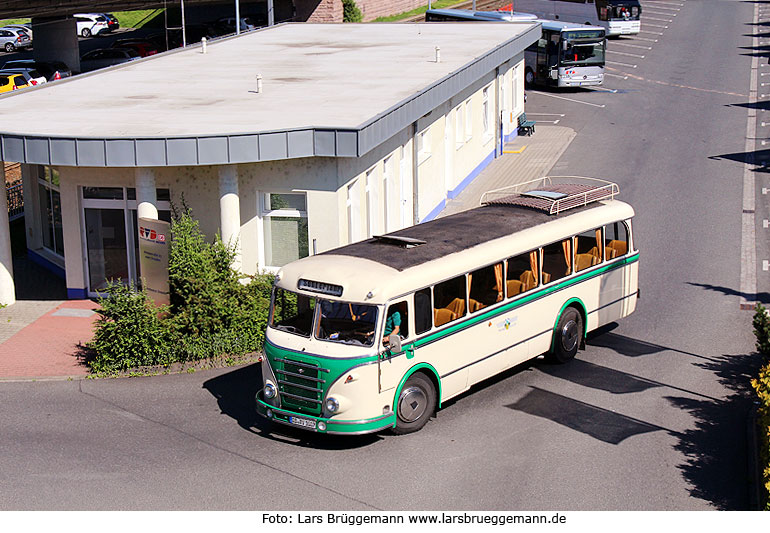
point(15, 194)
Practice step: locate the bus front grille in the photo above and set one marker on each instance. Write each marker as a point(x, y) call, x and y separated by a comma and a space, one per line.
point(301, 385)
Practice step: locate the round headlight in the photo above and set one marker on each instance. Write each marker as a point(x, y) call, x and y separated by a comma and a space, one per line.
point(269, 391)
point(322, 426)
point(332, 405)
point(269, 413)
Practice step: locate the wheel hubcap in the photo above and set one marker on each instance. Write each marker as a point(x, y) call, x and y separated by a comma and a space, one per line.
point(412, 404)
point(569, 336)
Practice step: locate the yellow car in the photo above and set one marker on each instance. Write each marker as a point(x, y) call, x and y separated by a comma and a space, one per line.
point(11, 82)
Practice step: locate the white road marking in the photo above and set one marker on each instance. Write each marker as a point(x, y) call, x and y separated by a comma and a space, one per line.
point(621, 64)
point(568, 99)
point(615, 75)
point(637, 38)
point(603, 89)
point(547, 121)
point(548, 114)
point(659, 20)
point(651, 32)
point(765, 265)
point(766, 223)
point(632, 45)
point(625, 54)
point(663, 26)
point(664, 3)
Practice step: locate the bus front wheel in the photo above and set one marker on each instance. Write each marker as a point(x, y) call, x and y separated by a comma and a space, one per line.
point(415, 405)
point(569, 332)
point(529, 76)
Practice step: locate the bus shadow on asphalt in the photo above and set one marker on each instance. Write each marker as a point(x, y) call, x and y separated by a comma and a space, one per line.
point(601, 424)
point(235, 392)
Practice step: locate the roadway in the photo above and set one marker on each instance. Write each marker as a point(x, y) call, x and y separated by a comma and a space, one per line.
point(652, 415)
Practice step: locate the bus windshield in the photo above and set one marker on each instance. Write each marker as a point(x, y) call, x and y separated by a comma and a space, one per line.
point(348, 323)
point(583, 53)
point(344, 322)
point(292, 312)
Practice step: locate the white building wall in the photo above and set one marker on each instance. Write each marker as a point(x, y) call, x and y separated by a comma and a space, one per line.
point(453, 154)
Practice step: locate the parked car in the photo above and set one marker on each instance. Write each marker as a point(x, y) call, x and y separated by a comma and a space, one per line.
point(106, 57)
point(193, 33)
point(91, 24)
point(227, 24)
point(24, 27)
point(112, 21)
point(11, 39)
point(32, 76)
point(52, 70)
point(10, 82)
point(144, 48)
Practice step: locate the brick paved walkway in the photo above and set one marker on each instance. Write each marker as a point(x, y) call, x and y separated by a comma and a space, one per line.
point(46, 344)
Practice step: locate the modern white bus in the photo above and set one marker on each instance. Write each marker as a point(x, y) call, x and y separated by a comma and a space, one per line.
point(380, 333)
point(566, 55)
point(618, 17)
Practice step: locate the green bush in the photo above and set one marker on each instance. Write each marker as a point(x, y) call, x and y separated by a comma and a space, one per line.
point(762, 386)
point(350, 12)
point(211, 313)
point(129, 332)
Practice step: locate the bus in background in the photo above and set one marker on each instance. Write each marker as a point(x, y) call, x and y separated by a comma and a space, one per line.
point(379, 333)
point(566, 55)
point(617, 17)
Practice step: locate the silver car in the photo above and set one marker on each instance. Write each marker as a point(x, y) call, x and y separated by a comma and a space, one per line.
point(13, 38)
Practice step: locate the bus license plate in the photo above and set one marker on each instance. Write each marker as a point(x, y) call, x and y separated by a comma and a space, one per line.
point(304, 422)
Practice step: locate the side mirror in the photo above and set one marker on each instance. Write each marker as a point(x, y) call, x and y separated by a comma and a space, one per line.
point(394, 342)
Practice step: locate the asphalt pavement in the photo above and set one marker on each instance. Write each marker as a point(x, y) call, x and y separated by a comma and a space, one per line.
point(653, 415)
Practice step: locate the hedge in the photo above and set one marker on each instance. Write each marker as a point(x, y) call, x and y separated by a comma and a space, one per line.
point(761, 385)
point(212, 311)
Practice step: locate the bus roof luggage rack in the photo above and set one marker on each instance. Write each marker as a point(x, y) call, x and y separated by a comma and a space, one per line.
point(553, 194)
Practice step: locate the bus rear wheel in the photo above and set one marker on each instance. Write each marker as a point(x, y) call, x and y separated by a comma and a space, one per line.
point(415, 404)
point(567, 337)
point(529, 76)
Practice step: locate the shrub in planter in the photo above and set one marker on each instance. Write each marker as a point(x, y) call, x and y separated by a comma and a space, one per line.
point(129, 332)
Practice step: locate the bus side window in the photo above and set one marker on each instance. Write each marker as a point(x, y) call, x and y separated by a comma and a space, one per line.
point(397, 320)
point(557, 260)
point(616, 239)
point(423, 311)
point(449, 300)
point(588, 249)
point(522, 273)
point(486, 287)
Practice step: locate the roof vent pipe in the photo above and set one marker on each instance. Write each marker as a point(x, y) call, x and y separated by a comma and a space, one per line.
point(438, 54)
point(259, 83)
point(203, 44)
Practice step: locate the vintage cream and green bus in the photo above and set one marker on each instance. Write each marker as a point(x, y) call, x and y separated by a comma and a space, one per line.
point(379, 333)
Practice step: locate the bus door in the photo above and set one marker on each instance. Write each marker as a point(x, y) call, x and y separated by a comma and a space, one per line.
point(393, 361)
point(548, 58)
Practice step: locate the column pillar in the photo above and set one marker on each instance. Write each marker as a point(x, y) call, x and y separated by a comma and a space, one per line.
point(7, 288)
point(56, 39)
point(146, 199)
point(230, 210)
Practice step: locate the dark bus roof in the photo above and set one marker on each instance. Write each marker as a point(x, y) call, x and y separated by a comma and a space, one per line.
point(441, 236)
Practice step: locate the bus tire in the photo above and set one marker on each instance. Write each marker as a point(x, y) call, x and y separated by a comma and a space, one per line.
point(567, 337)
point(529, 76)
point(86, 33)
point(416, 403)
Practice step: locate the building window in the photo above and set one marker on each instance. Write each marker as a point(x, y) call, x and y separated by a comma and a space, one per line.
point(486, 111)
point(468, 120)
point(284, 223)
point(459, 127)
point(50, 210)
point(423, 145)
point(354, 212)
point(373, 225)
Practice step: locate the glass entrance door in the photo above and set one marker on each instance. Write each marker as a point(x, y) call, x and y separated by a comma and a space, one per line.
point(110, 228)
point(106, 247)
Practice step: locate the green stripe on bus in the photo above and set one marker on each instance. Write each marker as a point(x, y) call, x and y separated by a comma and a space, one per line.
point(521, 301)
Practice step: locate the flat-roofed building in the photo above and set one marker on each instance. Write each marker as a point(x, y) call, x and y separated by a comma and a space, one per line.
point(289, 141)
